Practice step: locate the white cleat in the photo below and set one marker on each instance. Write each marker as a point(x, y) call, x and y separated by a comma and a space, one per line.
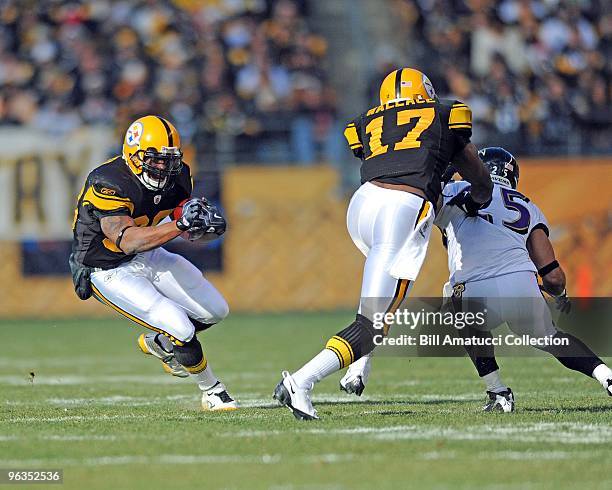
point(609, 387)
point(356, 376)
point(148, 346)
point(296, 399)
point(500, 402)
point(217, 399)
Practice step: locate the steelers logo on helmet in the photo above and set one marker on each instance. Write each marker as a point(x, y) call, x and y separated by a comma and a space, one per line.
point(429, 87)
point(152, 151)
point(132, 137)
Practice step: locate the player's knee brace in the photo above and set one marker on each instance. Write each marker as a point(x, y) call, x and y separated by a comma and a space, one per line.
point(354, 341)
point(191, 356)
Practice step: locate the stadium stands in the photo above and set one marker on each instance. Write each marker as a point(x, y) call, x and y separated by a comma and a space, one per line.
point(536, 74)
point(240, 77)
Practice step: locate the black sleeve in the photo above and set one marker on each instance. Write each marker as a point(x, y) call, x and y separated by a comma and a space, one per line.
point(107, 199)
point(186, 182)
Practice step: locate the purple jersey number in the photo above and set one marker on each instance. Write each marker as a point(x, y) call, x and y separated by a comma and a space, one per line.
point(512, 200)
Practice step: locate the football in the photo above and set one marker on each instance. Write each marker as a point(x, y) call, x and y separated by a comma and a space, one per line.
point(176, 214)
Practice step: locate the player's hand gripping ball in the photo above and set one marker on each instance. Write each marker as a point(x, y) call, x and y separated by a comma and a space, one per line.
point(188, 214)
point(207, 224)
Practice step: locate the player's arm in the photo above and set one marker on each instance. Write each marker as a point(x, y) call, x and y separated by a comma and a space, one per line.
point(122, 230)
point(132, 239)
point(470, 167)
point(542, 255)
point(466, 159)
point(352, 138)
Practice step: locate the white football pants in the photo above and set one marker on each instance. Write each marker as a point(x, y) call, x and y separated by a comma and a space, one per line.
point(392, 229)
point(515, 299)
point(161, 291)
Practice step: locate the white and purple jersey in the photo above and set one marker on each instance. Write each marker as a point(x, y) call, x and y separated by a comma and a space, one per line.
point(495, 242)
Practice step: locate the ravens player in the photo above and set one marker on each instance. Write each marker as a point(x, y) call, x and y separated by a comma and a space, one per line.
point(404, 145)
point(117, 253)
point(494, 255)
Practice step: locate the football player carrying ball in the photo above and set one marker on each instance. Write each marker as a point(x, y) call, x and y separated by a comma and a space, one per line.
point(117, 253)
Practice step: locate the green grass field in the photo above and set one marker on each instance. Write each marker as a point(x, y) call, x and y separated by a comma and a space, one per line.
point(111, 418)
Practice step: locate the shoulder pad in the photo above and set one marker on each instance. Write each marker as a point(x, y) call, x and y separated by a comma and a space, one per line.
point(460, 116)
point(108, 190)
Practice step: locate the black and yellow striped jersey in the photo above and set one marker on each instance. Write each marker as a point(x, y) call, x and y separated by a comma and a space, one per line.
point(112, 189)
point(410, 141)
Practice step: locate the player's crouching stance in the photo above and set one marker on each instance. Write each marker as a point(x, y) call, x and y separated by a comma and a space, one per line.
point(404, 144)
point(117, 255)
point(493, 255)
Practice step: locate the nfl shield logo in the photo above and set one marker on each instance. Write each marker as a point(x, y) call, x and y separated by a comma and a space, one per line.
point(156, 199)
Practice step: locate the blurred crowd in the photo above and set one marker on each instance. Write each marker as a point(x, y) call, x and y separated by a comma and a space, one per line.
point(229, 74)
point(244, 80)
point(536, 73)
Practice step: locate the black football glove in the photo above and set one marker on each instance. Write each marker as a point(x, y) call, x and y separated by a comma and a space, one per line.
point(466, 203)
point(448, 174)
point(210, 221)
point(191, 217)
point(563, 303)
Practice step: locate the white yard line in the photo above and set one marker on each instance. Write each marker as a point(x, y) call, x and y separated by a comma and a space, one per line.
point(246, 400)
point(561, 432)
point(87, 418)
point(539, 455)
point(177, 459)
point(90, 380)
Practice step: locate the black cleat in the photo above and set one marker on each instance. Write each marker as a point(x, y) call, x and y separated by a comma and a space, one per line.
point(355, 386)
point(500, 402)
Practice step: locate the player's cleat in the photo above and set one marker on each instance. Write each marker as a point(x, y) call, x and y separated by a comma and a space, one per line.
point(147, 344)
point(356, 376)
point(352, 386)
point(609, 387)
point(217, 399)
point(296, 399)
point(500, 402)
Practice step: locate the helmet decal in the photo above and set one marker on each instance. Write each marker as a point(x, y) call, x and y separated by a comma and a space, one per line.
point(501, 164)
point(428, 87)
point(134, 133)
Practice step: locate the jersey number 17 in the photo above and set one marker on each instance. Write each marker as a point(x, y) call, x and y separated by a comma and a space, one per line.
point(411, 140)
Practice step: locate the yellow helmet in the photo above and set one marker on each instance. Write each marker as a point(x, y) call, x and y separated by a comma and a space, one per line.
point(406, 83)
point(152, 150)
